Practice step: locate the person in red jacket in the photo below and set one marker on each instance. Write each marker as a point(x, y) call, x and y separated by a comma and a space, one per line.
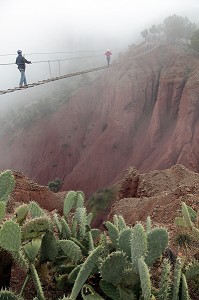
point(108, 56)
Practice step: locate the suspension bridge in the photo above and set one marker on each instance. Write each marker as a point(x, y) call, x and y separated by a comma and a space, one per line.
point(140, 51)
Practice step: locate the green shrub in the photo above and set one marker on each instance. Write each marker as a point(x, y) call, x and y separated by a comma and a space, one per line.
point(55, 185)
point(100, 200)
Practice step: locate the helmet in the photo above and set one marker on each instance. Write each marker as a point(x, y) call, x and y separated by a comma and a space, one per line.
point(19, 51)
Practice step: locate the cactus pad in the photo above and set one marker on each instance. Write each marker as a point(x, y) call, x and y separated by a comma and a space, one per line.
point(85, 271)
point(7, 183)
point(35, 228)
point(124, 241)
point(10, 236)
point(138, 245)
point(157, 243)
point(32, 249)
point(113, 232)
point(112, 269)
point(35, 210)
point(109, 289)
point(21, 212)
point(2, 210)
point(70, 249)
point(8, 295)
point(69, 202)
point(145, 279)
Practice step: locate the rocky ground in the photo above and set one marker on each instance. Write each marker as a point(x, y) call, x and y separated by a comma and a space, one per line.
point(158, 194)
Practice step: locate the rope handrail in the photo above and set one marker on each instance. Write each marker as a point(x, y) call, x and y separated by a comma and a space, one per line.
point(60, 52)
point(54, 60)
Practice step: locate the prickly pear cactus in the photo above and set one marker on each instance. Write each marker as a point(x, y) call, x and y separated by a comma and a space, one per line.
point(69, 202)
point(112, 232)
point(148, 224)
point(192, 270)
point(2, 210)
point(65, 229)
point(177, 278)
point(32, 249)
point(185, 291)
point(180, 222)
point(121, 223)
point(35, 210)
point(49, 247)
point(73, 274)
point(195, 233)
point(79, 199)
point(71, 250)
point(10, 236)
point(145, 279)
point(186, 215)
point(192, 213)
point(81, 218)
point(110, 290)
point(85, 271)
point(7, 183)
point(8, 295)
point(124, 241)
point(126, 294)
point(164, 286)
point(21, 213)
point(138, 245)
point(113, 268)
point(95, 233)
point(58, 224)
point(157, 243)
point(35, 228)
point(89, 218)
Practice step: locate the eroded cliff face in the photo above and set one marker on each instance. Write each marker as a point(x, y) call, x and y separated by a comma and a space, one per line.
point(158, 194)
point(141, 112)
point(27, 190)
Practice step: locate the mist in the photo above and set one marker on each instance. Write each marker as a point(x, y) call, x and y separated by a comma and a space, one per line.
point(74, 26)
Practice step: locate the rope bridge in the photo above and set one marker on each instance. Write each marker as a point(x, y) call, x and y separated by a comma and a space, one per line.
point(50, 80)
point(140, 53)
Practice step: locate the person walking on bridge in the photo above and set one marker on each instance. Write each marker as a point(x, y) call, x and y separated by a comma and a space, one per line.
point(21, 62)
point(108, 56)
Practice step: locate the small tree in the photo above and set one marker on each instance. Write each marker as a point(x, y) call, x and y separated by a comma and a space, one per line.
point(153, 29)
point(145, 33)
point(195, 40)
point(55, 185)
point(189, 31)
point(178, 28)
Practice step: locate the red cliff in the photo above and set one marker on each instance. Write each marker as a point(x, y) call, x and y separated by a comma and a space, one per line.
point(141, 112)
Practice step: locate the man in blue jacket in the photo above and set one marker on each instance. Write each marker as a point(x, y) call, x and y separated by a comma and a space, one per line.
point(21, 62)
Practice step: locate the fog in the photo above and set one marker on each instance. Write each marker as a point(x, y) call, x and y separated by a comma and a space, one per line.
point(47, 26)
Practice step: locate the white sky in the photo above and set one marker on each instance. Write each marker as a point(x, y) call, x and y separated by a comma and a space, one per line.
point(71, 25)
point(48, 24)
